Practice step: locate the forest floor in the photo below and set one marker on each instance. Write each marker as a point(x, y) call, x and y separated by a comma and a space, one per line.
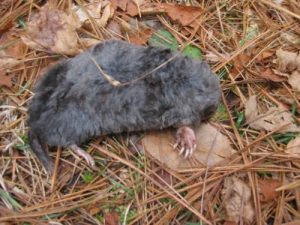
point(246, 169)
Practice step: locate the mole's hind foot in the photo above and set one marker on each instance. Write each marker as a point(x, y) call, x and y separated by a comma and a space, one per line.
point(88, 158)
point(185, 141)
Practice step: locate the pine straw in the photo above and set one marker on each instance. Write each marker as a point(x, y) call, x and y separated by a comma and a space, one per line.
point(136, 185)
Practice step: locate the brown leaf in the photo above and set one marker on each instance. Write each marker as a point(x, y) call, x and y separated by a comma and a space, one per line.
point(294, 80)
point(287, 61)
point(111, 218)
point(132, 8)
point(140, 37)
point(212, 148)
point(114, 29)
point(293, 147)
point(237, 200)
point(11, 49)
point(183, 14)
point(122, 4)
point(241, 61)
point(268, 74)
point(100, 12)
point(267, 189)
point(271, 120)
point(52, 30)
point(251, 109)
point(4, 79)
point(264, 55)
point(88, 42)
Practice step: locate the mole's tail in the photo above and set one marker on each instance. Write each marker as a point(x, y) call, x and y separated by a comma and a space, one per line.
point(40, 151)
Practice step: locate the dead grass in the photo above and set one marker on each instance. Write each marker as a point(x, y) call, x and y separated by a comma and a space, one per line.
point(134, 188)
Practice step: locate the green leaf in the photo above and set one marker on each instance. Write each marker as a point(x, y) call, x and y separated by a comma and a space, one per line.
point(163, 38)
point(193, 52)
point(21, 22)
point(221, 113)
point(87, 177)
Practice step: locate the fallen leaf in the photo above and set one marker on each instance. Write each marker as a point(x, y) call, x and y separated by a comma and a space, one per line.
point(88, 42)
point(100, 12)
point(293, 147)
point(265, 55)
point(163, 38)
point(268, 74)
point(183, 14)
point(237, 200)
point(251, 109)
point(271, 120)
point(131, 7)
point(52, 30)
point(111, 218)
point(287, 61)
point(294, 80)
point(212, 148)
point(267, 190)
point(122, 4)
point(290, 37)
point(241, 61)
point(114, 29)
point(141, 36)
point(213, 57)
point(11, 49)
point(192, 52)
point(4, 79)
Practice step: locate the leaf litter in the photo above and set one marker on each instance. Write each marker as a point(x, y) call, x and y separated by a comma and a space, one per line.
point(238, 39)
point(274, 119)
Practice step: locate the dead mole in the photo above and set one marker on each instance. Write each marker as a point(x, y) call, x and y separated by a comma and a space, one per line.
point(117, 87)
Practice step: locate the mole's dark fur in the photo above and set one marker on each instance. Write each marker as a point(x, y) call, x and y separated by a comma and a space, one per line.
point(74, 102)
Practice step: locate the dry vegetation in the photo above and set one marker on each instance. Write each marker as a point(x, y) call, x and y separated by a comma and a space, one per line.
point(252, 46)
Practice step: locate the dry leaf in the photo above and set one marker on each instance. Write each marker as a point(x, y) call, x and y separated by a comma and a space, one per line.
point(241, 61)
point(294, 80)
point(268, 74)
point(52, 30)
point(251, 109)
point(212, 57)
point(140, 37)
point(267, 189)
point(287, 61)
point(100, 12)
point(114, 29)
point(183, 14)
point(4, 79)
point(122, 4)
point(271, 120)
point(265, 55)
point(237, 200)
point(293, 147)
point(11, 49)
point(111, 218)
point(212, 148)
point(88, 42)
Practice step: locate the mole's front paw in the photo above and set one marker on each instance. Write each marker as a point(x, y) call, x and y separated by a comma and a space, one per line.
point(186, 141)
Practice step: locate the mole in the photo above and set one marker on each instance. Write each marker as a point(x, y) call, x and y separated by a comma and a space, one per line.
point(116, 87)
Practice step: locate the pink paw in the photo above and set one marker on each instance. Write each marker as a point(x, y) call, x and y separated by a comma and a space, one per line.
point(186, 141)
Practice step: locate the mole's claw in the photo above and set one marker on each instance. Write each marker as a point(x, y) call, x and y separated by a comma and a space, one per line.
point(175, 145)
point(187, 153)
point(181, 151)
